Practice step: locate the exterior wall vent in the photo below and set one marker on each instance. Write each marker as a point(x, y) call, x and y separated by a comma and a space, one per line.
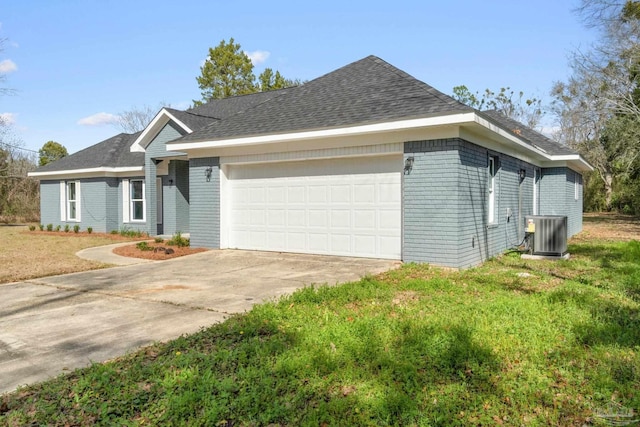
point(550, 235)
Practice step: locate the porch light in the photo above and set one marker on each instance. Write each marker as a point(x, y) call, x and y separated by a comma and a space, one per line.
point(522, 174)
point(408, 165)
point(207, 173)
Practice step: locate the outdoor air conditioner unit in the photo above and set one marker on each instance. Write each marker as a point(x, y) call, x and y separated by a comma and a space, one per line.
point(549, 234)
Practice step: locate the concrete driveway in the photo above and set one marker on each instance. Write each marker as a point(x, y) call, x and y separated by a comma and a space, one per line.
point(56, 324)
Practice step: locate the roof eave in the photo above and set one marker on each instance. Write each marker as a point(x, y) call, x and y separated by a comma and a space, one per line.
point(89, 173)
point(440, 120)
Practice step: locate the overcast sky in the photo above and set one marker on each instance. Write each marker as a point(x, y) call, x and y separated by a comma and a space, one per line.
point(76, 63)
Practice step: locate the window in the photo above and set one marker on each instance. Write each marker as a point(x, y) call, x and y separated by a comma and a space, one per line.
point(137, 200)
point(70, 201)
point(134, 203)
point(492, 189)
point(576, 191)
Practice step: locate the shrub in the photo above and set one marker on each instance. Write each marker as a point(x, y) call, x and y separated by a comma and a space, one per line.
point(32, 228)
point(41, 227)
point(129, 232)
point(49, 227)
point(76, 228)
point(144, 246)
point(178, 240)
point(114, 231)
point(57, 228)
point(66, 228)
point(158, 240)
point(89, 230)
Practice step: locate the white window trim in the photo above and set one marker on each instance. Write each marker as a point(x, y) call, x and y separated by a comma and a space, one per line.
point(491, 208)
point(64, 202)
point(536, 183)
point(132, 200)
point(576, 191)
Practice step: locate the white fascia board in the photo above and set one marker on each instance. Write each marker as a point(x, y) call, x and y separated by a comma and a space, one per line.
point(575, 161)
point(510, 136)
point(451, 119)
point(89, 173)
point(150, 132)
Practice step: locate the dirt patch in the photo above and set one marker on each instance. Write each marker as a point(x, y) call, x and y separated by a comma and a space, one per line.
point(608, 226)
point(158, 252)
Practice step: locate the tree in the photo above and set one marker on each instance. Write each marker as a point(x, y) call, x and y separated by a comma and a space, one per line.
point(226, 72)
point(598, 108)
point(51, 151)
point(3, 77)
point(137, 118)
point(267, 80)
point(513, 105)
point(18, 193)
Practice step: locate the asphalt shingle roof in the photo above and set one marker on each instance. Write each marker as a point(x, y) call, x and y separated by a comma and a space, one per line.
point(112, 152)
point(529, 135)
point(367, 91)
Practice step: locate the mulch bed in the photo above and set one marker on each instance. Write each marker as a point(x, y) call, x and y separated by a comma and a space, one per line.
point(114, 237)
point(161, 251)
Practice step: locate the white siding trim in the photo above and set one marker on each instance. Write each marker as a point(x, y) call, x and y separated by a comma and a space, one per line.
point(78, 203)
point(88, 172)
point(63, 201)
point(125, 201)
point(367, 150)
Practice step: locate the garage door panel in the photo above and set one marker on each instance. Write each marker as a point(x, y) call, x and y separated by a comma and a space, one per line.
point(337, 206)
point(340, 219)
point(296, 218)
point(319, 242)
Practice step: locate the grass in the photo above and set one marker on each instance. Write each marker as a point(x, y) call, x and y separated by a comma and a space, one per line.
point(30, 254)
point(512, 342)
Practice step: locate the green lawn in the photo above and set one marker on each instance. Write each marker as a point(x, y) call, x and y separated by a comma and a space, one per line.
point(512, 342)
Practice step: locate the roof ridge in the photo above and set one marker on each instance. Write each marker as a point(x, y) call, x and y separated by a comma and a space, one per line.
point(422, 85)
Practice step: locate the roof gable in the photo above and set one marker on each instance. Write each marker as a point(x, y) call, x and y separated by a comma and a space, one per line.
point(367, 91)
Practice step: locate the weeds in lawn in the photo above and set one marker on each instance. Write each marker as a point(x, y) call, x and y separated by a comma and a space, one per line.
point(414, 346)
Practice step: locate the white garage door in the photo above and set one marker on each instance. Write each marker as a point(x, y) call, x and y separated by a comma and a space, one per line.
point(339, 207)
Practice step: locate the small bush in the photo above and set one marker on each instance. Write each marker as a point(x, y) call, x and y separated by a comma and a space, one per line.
point(89, 230)
point(158, 240)
point(114, 232)
point(76, 228)
point(129, 232)
point(144, 246)
point(41, 227)
point(178, 240)
point(32, 228)
point(66, 228)
point(49, 227)
point(57, 228)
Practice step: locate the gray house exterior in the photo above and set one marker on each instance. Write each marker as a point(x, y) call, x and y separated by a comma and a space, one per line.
point(364, 161)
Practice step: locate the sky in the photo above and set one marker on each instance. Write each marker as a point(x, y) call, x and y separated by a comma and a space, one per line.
point(75, 64)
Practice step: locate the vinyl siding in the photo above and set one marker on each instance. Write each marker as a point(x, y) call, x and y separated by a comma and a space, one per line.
point(157, 150)
point(204, 203)
point(98, 207)
point(429, 197)
point(557, 196)
point(445, 200)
